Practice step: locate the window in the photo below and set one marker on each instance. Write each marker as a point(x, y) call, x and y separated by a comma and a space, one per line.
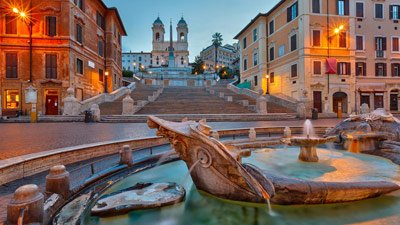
point(12, 99)
point(244, 43)
point(380, 69)
point(245, 64)
point(140, 58)
point(79, 66)
point(255, 80)
point(380, 46)
point(379, 11)
point(317, 67)
point(51, 26)
point(395, 69)
point(360, 43)
point(281, 51)
point(360, 9)
point(293, 70)
point(271, 27)
point(394, 12)
point(271, 53)
point(272, 78)
point(293, 42)
point(292, 12)
point(11, 25)
point(255, 35)
point(11, 65)
point(316, 38)
point(316, 6)
point(80, 4)
point(342, 40)
point(343, 68)
point(255, 59)
point(100, 20)
point(101, 75)
point(342, 7)
point(78, 34)
point(396, 44)
point(361, 69)
point(101, 48)
point(51, 66)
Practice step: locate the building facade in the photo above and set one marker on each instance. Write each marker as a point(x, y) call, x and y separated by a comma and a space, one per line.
point(227, 56)
point(160, 53)
point(341, 53)
point(74, 44)
point(136, 61)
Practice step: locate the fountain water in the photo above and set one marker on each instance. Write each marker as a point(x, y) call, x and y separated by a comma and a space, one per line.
point(308, 143)
point(190, 170)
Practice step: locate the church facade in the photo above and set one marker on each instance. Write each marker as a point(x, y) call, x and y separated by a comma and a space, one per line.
point(170, 53)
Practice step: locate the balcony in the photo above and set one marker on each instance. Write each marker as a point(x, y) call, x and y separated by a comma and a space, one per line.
point(380, 54)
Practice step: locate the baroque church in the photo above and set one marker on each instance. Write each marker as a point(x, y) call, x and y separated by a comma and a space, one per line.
point(170, 53)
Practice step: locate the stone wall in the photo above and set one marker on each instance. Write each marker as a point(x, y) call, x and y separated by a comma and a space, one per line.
point(24, 166)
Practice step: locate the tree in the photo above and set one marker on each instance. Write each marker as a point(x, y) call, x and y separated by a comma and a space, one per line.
point(198, 66)
point(127, 73)
point(217, 42)
point(226, 73)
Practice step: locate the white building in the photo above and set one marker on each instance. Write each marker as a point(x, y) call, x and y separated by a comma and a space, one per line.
point(160, 53)
point(227, 55)
point(133, 61)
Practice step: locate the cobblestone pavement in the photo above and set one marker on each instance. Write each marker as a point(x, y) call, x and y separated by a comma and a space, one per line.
point(21, 139)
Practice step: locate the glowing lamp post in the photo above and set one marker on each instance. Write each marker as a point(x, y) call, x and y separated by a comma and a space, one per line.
point(267, 77)
point(106, 82)
point(28, 21)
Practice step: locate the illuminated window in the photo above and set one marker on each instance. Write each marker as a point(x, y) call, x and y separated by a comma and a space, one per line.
point(12, 99)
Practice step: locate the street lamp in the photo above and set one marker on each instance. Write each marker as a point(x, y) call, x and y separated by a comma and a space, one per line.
point(106, 82)
point(28, 21)
point(134, 67)
point(267, 77)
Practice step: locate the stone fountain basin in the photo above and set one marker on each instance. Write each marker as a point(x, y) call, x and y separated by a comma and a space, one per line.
point(338, 177)
point(311, 141)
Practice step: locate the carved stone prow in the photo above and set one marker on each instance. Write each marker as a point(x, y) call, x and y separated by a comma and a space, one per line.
point(216, 169)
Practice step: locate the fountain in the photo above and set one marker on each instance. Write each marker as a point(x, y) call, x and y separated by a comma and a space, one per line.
point(221, 172)
point(308, 143)
point(365, 132)
point(224, 184)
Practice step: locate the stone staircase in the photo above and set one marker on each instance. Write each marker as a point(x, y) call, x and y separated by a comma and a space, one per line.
point(191, 100)
point(140, 93)
point(245, 100)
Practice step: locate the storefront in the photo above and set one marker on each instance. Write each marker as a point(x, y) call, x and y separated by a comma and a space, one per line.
point(11, 102)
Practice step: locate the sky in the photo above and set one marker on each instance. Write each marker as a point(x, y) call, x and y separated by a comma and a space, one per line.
point(204, 18)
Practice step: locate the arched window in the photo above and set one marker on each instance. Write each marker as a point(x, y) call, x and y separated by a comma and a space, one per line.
point(157, 36)
point(157, 60)
point(182, 60)
point(182, 36)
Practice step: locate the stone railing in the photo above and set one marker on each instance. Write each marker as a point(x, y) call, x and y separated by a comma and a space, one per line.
point(285, 102)
point(99, 99)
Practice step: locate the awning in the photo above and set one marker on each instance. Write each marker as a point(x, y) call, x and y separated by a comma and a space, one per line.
point(331, 66)
point(245, 85)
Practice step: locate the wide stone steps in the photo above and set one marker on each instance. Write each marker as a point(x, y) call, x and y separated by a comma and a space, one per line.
point(271, 107)
point(182, 100)
point(197, 117)
point(140, 93)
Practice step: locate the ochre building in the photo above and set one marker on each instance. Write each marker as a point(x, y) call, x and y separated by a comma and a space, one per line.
point(75, 43)
point(338, 52)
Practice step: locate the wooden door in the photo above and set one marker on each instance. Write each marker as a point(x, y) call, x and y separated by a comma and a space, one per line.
point(51, 105)
point(318, 101)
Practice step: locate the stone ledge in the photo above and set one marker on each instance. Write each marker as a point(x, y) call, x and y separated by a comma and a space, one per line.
point(27, 165)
